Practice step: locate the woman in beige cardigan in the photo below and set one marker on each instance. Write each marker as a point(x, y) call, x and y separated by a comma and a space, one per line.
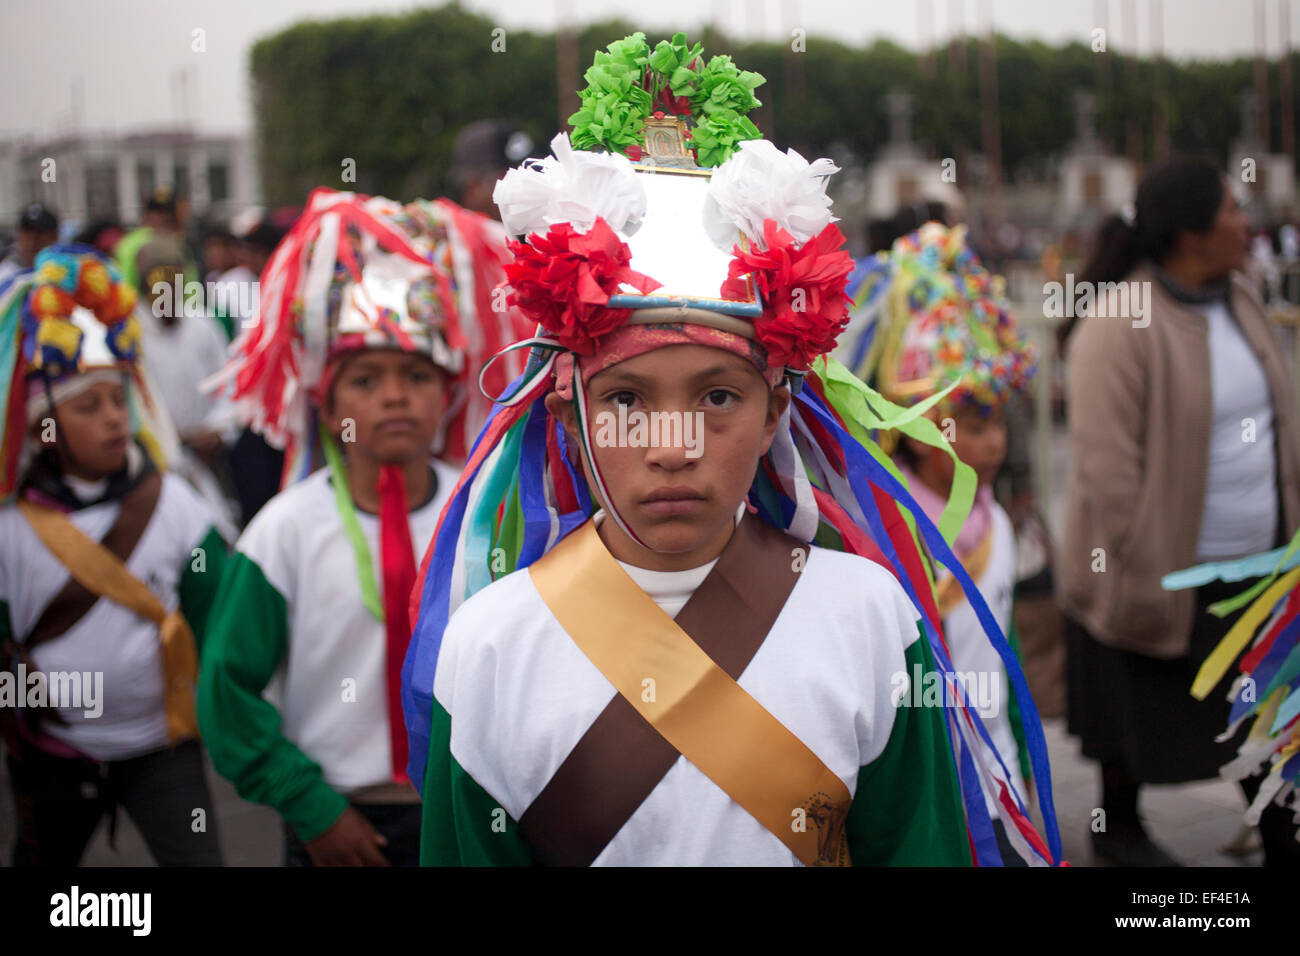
point(1183, 449)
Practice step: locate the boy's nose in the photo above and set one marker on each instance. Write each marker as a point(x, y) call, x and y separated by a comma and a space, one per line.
point(394, 390)
point(670, 441)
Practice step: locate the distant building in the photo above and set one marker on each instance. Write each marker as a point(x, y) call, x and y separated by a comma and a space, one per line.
point(88, 176)
point(1266, 178)
point(901, 174)
point(1093, 181)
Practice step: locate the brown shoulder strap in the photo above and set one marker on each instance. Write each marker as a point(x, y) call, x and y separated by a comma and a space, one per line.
point(74, 600)
point(621, 758)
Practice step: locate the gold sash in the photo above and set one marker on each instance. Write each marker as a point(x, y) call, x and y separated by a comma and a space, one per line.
point(679, 690)
point(100, 571)
point(948, 592)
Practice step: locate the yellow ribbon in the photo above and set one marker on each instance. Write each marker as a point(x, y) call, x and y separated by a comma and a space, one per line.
point(694, 704)
point(99, 571)
point(1221, 658)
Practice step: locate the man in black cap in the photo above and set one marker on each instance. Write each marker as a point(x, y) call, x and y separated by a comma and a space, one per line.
point(38, 227)
point(481, 155)
point(163, 215)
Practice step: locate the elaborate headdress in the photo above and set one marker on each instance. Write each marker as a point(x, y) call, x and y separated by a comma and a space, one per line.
point(928, 316)
point(62, 323)
point(639, 248)
point(365, 272)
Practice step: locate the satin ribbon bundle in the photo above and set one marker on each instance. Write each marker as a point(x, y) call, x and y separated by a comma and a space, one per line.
point(356, 272)
point(746, 254)
point(1267, 690)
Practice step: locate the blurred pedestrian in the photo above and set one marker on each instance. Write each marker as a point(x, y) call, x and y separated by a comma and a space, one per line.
point(183, 347)
point(480, 156)
point(38, 227)
point(164, 213)
point(1183, 449)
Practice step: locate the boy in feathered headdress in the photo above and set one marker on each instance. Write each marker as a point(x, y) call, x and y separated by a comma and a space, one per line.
point(712, 668)
point(356, 360)
point(109, 566)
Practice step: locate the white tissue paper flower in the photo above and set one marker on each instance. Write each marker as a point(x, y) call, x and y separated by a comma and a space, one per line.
point(760, 182)
point(573, 186)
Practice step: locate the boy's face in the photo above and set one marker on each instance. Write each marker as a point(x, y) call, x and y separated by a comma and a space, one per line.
point(387, 405)
point(681, 497)
point(93, 430)
point(979, 440)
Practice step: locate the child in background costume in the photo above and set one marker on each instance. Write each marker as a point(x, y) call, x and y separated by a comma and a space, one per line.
point(109, 566)
point(358, 343)
point(948, 328)
point(563, 662)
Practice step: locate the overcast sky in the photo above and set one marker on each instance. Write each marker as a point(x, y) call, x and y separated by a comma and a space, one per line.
point(117, 65)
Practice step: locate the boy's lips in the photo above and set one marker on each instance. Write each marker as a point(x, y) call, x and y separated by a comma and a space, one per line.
point(673, 501)
point(396, 425)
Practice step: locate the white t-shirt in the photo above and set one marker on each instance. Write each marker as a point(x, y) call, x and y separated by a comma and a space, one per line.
point(111, 641)
point(1240, 513)
point(179, 358)
point(299, 542)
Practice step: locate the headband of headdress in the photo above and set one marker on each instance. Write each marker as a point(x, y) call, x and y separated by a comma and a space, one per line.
point(639, 248)
point(928, 316)
point(359, 272)
point(63, 324)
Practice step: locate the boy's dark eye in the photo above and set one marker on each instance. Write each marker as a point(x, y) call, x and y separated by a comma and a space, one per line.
point(623, 398)
point(720, 397)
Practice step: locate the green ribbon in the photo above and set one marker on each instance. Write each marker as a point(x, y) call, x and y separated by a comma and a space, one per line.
point(351, 526)
point(865, 410)
point(1225, 607)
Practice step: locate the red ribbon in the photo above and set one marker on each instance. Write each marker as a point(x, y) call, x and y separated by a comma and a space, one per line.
point(398, 560)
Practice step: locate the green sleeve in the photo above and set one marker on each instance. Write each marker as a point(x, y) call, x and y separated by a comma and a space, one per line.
point(462, 825)
point(127, 249)
point(907, 808)
point(247, 640)
point(201, 581)
point(1013, 710)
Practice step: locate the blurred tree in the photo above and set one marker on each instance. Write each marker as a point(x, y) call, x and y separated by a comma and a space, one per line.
point(392, 92)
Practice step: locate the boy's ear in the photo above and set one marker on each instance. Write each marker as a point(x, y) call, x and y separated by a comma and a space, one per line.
point(778, 400)
point(562, 409)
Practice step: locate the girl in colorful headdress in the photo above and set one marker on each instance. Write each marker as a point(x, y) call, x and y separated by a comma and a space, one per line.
point(108, 568)
point(356, 362)
point(746, 593)
point(945, 342)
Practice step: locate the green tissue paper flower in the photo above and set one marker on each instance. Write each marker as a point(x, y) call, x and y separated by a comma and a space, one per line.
point(625, 81)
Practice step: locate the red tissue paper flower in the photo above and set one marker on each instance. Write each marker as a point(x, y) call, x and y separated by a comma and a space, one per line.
point(563, 281)
point(805, 307)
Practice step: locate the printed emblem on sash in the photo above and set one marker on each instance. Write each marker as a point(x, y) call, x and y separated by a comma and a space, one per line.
point(832, 836)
